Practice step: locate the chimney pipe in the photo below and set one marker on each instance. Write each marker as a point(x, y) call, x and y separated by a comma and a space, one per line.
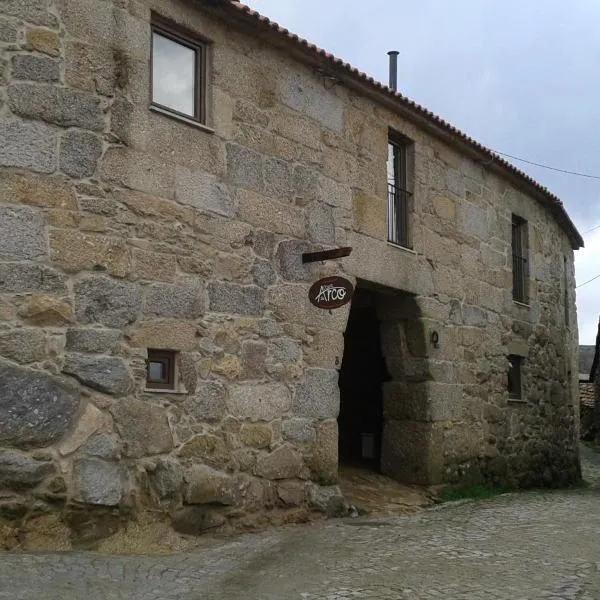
point(393, 54)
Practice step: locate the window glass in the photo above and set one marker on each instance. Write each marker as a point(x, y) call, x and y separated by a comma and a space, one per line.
point(157, 371)
point(173, 75)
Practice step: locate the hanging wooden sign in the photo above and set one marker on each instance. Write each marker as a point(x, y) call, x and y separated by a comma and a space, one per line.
point(330, 292)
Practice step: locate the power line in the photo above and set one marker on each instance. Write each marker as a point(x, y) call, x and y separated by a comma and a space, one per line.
point(592, 229)
point(588, 281)
point(530, 162)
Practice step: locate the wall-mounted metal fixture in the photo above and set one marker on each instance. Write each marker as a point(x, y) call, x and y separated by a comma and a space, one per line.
point(435, 339)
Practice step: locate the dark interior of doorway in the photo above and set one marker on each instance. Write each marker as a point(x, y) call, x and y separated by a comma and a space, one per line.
point(362, 374)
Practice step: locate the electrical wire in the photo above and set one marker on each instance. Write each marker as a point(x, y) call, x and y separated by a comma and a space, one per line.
point(530, 162)
point(588, 281)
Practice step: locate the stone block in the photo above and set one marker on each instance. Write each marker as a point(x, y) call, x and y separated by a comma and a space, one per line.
point(60, 106)
point(43, 40)
point(321, 226)
point(473, 220)
point(23, 345)
point(45, 310)
point(143, 427)
point(284, 351)
point(236, 299)
point(259, 402)
point(203, 191)
point(168, 477)
point(263, 243)
point(206, 448)
point(292, 493)
point(75, 251)
point(323, 461)
point(8, 32)
point(278, 179)
point(326, 499)
point(107, 302)
point(244, 168)
point(300, 431)
point(289, 261)
point(253, 359)
point(90, 421)
point(196, 520)
point(208, 403)
point(21, 233)
point(35, 408)
point(32, 11)
point(91, 67)
point(79, 153)
point(104, 445)
point(326, 349)
point(154, 266)
point(108, 374)
point(256, 435)
point(209, 486)
point(317, 396)
point(370, 214)
point(35, 68)
point(94, 341)
point(263, 273)
point(274, 216)
point(99, 482)
point(164, 334)
point(282, 463)
point(180, 301)
point(19, 471)
point(36, 190)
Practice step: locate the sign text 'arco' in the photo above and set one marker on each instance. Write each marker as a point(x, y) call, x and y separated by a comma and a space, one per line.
point(330, 292)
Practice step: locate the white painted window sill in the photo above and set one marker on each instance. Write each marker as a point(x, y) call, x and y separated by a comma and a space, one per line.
point(403, 248)
point(522, 304)
point(182, 119)
point(164, 391)
point(517, 401)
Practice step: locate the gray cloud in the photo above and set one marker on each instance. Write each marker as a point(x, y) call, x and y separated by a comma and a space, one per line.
point(519, 76)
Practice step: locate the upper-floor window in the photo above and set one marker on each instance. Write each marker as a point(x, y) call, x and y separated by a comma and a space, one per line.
point(520, 263)
point(399, 196)
point(178, 73)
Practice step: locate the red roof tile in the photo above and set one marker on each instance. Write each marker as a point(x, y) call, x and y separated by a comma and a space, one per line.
point(554, 203)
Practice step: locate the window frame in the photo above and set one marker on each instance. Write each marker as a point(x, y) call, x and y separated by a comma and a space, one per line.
point(516, 365)
point(520, 259)
point(200, 47)
point(167, 357)
point(401, 185)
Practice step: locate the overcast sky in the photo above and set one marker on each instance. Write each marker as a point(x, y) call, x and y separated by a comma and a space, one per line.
point(520, 76)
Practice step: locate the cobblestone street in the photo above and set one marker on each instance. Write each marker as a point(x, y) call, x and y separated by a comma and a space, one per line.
point(521, 546)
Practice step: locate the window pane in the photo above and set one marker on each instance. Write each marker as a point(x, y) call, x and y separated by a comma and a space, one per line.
point(173, 75)
point(157, 371)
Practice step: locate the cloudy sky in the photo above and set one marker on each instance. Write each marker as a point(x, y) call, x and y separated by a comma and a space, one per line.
point(520, 76)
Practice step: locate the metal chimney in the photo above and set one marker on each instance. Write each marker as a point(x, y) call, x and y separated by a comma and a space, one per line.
point(393, 54)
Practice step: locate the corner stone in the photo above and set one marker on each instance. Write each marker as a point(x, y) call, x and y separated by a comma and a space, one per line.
point(318, 396)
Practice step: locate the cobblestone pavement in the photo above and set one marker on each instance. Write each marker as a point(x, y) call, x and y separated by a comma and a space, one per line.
point(538, 545)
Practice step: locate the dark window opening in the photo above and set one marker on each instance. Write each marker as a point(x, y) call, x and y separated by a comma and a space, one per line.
point(515, 390)
point(399, 196)
point(178, 73)
point(160, 370)
point(520, 264)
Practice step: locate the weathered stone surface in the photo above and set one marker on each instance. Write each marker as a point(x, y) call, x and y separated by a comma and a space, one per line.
point(257, 435)
point(79, 153)
point(143, 427)
point(102, 300)
point(165, 335)
point(292, 493)
point(180, 301)
point(104, 445)
point(99, 482)
point(61, 106)
point(253, 359)
point(202, 191)
point(289, 261)
point(263, 243)
point(93, 68)
point(90, 421)
point(326, 499)
point(244, 167)
point(18, 278)
point(283, 351)
point(8, 32)
point(208, 403)
point(269, 214)
point(168, 477)
point(301, 431)
point(263, 273)
point(35, 409)
point(23, 345)
point(259, 402)
point(21, 233)
point(282, 463)
point(195, 520)
point(92, 340)
point(108, 374)
point(43, 40)
point(321, 226)
point(35, 68)
point(236, 299)
point(18, 470)
point(36, 190)
point(46, 310)
point(208, 486)
point(28, 146)
point(209, 449)
point(323, 461)
point(318, 396)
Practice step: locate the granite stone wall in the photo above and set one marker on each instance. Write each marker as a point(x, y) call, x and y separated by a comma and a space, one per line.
point(122, 229)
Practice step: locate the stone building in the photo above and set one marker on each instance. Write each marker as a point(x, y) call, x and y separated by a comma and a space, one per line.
point(163, 167)
point(589, 390)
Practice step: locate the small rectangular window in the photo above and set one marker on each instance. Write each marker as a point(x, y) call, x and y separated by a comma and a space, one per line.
point(515, 384)
point(399, 196)
point(520, 264)
point(178, 73)
point(160, 370)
